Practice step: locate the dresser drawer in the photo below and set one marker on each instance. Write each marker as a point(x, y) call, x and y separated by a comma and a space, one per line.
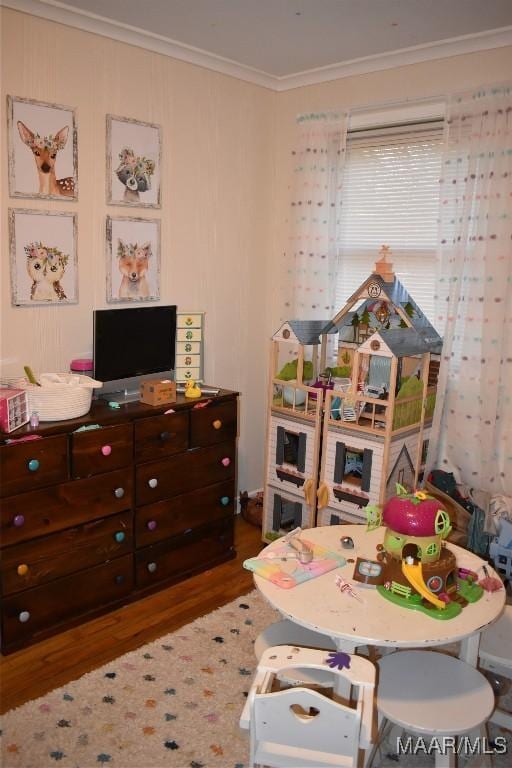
point(52, 509)
point(33, 464)
point(34, 610)
point(190, 552)
point(161, 436)
point(101, 450)
point(184, 513)
point(184, 472)
point(51, 557)
point(213, 424)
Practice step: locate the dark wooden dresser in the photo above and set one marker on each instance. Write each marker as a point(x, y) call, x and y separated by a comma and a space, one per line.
point(93, 519)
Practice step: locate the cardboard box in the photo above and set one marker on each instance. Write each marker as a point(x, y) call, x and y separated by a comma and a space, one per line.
point(13, 409)
point(158, 392)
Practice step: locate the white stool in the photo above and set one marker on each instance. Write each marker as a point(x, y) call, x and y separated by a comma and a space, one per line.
point(286, 632)
point(495, 655)
point(432, 695)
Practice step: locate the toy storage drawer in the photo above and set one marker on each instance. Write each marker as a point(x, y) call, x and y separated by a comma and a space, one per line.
point(33, 464)
point(189, 321)
point(161, 436)
point(101, 450)
point(184, 472)
point(34, 610)
point(213, 424)
point(189, 334)
point(51, 557)
point(175, 557)
point(184, 513)
point(61, 506)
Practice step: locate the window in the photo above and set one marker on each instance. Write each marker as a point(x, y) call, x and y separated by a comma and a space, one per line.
point(391, 195)
point(291, 447)
point(353, 466)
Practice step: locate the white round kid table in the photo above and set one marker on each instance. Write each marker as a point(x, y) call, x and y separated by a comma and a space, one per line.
point(318, 604)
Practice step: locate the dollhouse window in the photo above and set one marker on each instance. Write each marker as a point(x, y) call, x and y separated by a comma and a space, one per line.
point(432, 549)
point(424, 451)
point(287, 514)
point(442, 523)
point(291, 448)
point(353, 466)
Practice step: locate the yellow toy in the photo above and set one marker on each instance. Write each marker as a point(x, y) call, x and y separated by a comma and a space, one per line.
point(191, 389)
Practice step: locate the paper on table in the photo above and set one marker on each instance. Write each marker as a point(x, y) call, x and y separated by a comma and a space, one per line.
point(283, 569)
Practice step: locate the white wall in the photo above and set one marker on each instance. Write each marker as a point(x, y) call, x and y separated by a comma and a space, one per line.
point(217, 191)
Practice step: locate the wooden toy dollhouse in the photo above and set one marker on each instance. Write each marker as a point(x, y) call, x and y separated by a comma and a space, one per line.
point(350, 416)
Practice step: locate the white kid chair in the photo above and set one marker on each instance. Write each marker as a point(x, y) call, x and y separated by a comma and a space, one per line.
point(495, 656)
point(431, 694)
point(287, 632)
point(300, 727)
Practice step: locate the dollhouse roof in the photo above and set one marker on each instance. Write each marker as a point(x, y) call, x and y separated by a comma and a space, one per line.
point(407, 341)
point(375, 289)
point(305, 331)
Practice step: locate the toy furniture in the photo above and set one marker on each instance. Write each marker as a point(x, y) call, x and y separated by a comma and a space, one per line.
point(350, 415)
point(93, 518)
point(432, 694)
point(495, 655)
point(302, 727)
point(318, 604)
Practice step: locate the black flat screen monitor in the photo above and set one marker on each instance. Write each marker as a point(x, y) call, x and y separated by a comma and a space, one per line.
point(133, 342)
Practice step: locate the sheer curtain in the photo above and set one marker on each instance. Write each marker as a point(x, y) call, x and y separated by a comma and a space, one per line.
point(310, 263)
point(472, 430)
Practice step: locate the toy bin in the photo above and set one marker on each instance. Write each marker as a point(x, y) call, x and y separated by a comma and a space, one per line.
point(61, 396)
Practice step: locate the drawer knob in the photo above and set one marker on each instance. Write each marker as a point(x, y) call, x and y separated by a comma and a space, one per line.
point(119, 493)
point(106, 450)
point(224, 501)
point(22, 569)
point(19, 520)
point(151, 525)
point(119, 536)
point(119, 579)
point(226, 461)
point(24, 616)
point(153, 482)
point(165, 436)
point(217, 424)
point(33, 465)
point(151, 567)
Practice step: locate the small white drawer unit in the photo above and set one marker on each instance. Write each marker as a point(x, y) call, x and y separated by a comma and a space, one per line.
point(189, 347)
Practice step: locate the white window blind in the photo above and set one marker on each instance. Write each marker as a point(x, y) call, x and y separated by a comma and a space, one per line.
point(391, 196)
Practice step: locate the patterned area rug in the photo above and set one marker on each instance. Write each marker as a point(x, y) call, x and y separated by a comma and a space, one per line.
point(174, 703)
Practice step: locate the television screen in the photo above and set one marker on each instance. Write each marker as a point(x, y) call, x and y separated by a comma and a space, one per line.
point(132, 342)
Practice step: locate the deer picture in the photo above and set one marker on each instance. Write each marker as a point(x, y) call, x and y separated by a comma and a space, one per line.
point(45, 149)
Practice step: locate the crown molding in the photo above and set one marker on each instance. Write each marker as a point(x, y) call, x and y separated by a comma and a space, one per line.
point(455, 46)
point(61, 13)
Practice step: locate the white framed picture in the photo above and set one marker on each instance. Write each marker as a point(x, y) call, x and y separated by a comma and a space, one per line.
point(133, 162)
point(43, 150)
point(44, 266)
point(133, 259)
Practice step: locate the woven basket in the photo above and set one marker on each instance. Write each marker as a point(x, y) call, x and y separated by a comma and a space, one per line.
point(61, 396)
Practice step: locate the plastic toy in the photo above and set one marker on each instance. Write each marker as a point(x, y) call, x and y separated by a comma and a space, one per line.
point(500, 549)
point(192, 390)
point(418, 571)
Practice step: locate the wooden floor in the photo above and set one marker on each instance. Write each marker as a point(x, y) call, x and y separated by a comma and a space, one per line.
point(34, 671)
